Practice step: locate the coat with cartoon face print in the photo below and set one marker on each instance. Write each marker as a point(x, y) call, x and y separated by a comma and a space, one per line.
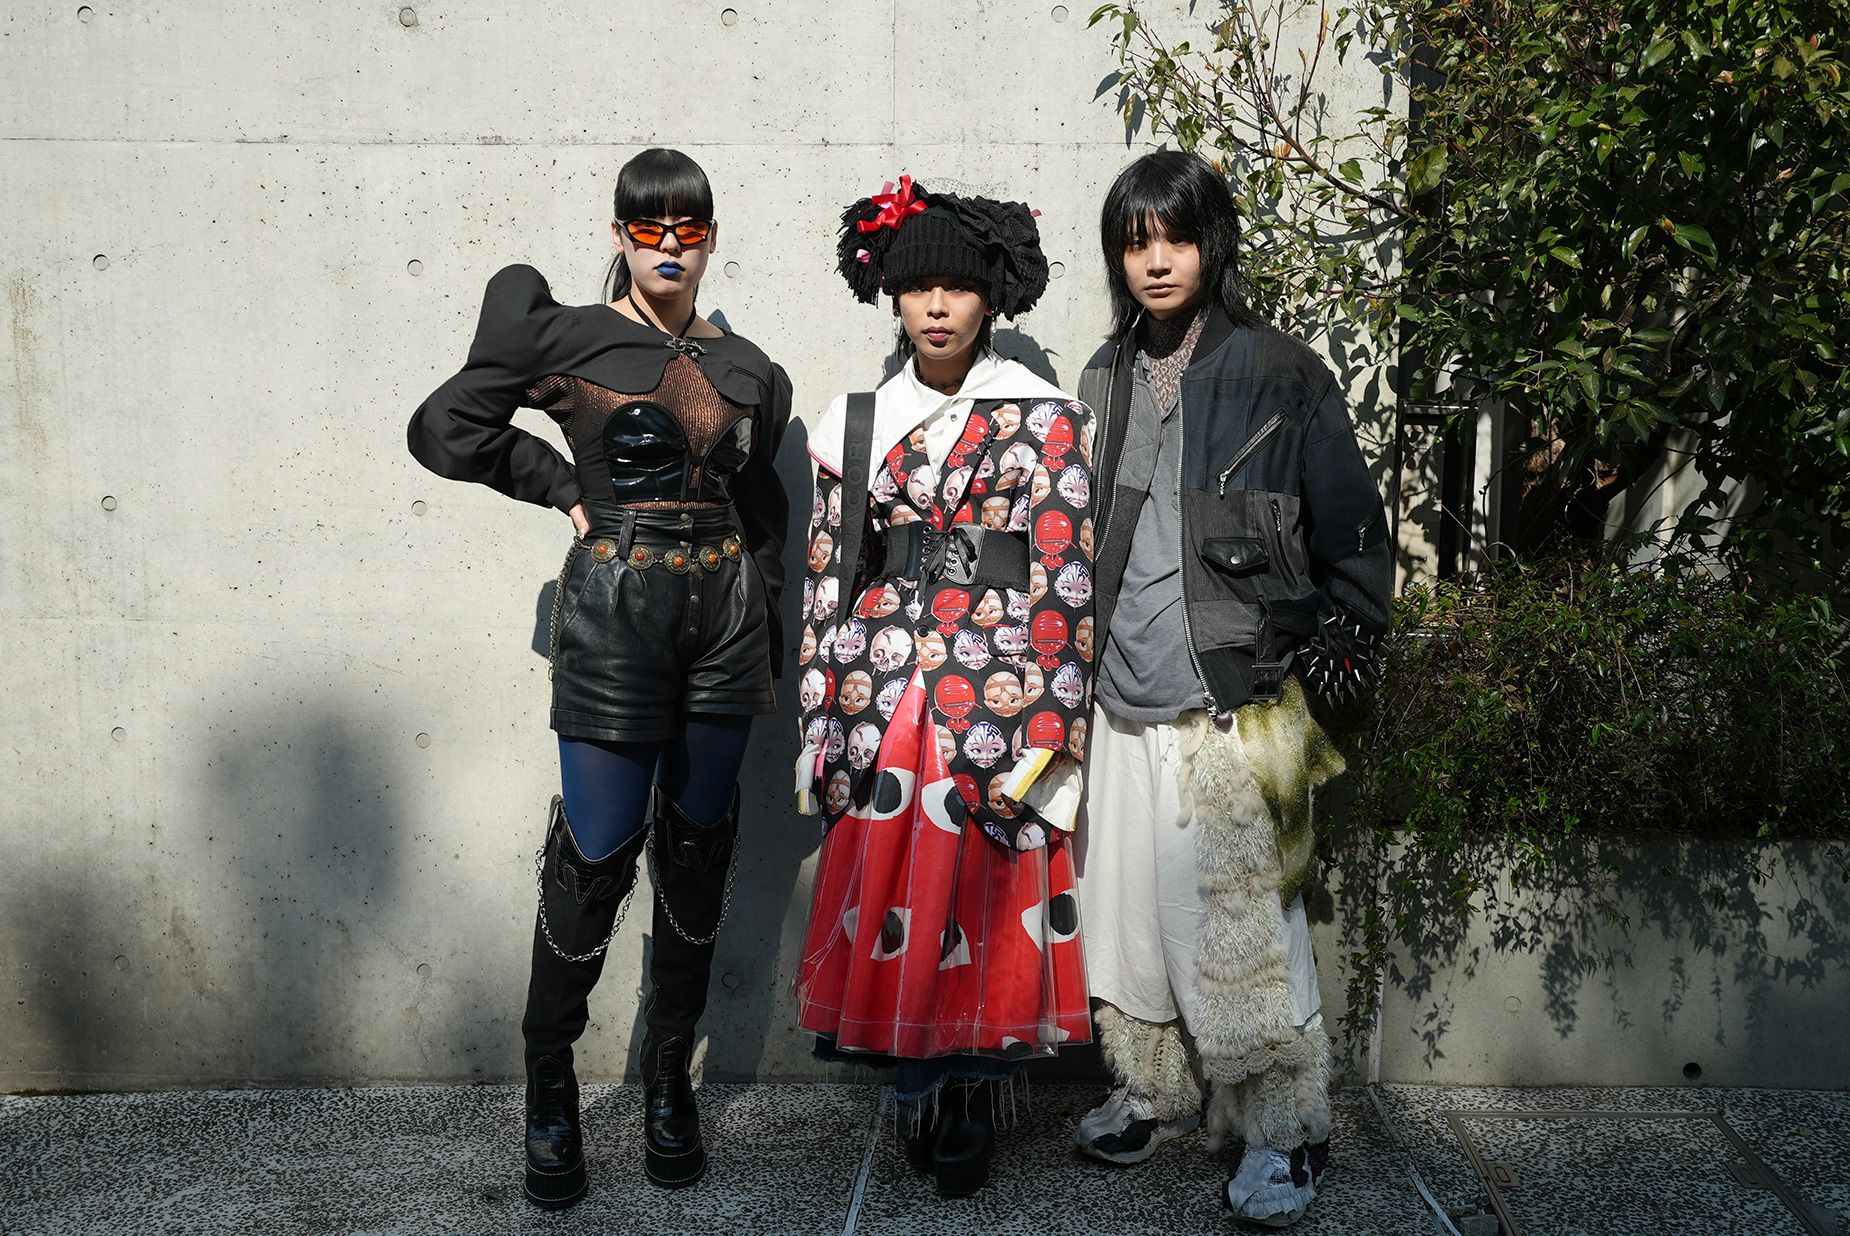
point(985, 654)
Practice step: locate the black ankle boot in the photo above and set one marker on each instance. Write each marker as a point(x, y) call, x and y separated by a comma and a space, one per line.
point(966, 1136)
point(691, 867)
point(673, 1154)
point(918, 1129)
point(555, 1147)
point(580, 904)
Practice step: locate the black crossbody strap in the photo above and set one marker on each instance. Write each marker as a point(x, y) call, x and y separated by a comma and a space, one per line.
point(857, 454)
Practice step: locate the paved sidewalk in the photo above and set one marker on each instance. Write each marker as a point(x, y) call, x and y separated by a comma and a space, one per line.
point(824, 1159)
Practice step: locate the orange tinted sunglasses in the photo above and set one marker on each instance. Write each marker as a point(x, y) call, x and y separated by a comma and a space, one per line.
point(649, 232)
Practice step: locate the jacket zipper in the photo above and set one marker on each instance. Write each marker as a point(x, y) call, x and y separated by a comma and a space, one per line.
point(1188, 635)
point(1361, 533)
point(1111, 499)
point(1252, 444)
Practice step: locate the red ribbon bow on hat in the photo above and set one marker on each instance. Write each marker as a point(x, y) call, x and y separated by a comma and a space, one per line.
point(895, 208)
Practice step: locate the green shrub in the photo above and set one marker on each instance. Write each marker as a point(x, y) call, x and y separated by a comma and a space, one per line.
point(1624, 221)
point(1540, 705)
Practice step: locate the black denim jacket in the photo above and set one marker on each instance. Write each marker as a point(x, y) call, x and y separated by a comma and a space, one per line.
point(1282, 526)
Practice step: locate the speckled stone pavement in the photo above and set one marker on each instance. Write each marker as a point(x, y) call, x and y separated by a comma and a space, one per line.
point(825, 1159)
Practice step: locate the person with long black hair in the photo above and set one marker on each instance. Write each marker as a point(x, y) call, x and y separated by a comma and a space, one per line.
point(1243, 575)
point(664, 633)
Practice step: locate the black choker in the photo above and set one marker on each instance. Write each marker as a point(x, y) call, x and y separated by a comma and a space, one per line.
point(949, 388)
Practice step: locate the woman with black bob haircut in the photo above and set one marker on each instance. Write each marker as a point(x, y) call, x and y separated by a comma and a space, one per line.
point(664, 626)
point(1188, 201)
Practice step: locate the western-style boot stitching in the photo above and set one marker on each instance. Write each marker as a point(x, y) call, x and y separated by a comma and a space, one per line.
point(572, 879)
point(695, 847)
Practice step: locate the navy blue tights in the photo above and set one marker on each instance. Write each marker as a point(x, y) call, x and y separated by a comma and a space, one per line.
point(606, 784)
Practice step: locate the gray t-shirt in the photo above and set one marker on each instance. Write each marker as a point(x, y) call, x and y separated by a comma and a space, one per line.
point(1144, 670)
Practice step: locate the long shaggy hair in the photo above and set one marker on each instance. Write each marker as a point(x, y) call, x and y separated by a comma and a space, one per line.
point(1190, 201)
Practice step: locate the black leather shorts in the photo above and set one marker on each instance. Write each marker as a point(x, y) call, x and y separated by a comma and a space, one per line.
point(658, 614)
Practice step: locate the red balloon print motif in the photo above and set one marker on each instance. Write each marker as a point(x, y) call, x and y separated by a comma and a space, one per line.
point(956, 699)
point(949, 607)
point(1046, 729)
point(1048, 635)
point(1053, 534)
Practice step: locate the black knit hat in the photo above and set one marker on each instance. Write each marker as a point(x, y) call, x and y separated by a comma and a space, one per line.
point(894, 237)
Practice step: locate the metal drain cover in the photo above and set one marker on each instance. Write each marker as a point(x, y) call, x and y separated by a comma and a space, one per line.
point(1597, 1173)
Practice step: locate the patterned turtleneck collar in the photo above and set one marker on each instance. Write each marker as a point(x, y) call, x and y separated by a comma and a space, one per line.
point(1168, 346)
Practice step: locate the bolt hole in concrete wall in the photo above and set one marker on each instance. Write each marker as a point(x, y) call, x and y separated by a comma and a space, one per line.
point(119, 734)
point(1693, 1071)
point(291, 856)
point(1059, 12)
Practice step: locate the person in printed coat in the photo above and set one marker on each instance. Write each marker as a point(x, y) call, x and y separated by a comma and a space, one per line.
point(945, 688)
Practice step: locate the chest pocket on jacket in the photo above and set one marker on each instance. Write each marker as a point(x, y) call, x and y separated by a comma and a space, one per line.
point(1236, 555)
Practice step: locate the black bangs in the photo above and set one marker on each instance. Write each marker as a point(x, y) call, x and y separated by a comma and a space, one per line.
point(1187, 198)
point(663, 184)
point(656, 184)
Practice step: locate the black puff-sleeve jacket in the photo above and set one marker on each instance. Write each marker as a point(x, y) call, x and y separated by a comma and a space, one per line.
point(465, 430)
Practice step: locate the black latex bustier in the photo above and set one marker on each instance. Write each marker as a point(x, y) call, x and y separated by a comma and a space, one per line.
point(678, 445)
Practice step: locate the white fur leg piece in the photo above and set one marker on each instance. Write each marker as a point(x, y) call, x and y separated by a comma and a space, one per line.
point(1153, 1060)
point(1271, 1079)
point(1287, 1103)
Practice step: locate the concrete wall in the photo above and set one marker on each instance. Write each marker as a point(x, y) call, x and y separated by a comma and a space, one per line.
point(1653, 962)
point(272, 699)
point(272, 738)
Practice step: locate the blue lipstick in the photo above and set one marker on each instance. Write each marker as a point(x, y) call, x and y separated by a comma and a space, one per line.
point(670, 270)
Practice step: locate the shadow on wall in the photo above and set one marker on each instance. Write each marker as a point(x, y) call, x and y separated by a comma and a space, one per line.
point(312, 853)
point(232, 947)
point(1731, 952)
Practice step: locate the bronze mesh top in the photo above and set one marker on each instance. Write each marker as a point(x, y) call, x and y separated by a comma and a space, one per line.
point(582, 407)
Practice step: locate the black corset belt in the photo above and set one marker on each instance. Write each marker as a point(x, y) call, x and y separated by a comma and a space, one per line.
point(968, 555)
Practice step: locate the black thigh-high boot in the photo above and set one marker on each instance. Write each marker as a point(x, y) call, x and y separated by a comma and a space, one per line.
point(580, 903)
point(691, 867)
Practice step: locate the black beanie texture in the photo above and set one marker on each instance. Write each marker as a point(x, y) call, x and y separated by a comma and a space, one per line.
point(992, 242)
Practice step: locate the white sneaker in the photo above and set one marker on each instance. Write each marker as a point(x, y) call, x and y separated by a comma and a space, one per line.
point(1124, 1128)
point(1273, 1188)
